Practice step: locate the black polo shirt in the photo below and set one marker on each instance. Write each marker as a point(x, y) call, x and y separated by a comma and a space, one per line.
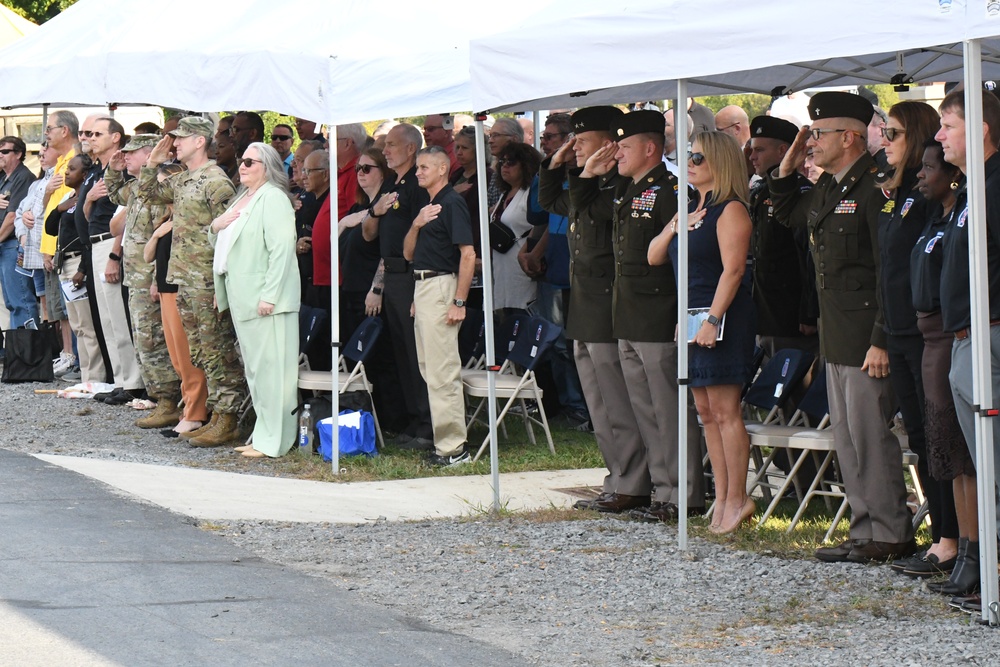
point(438, 242)
point(393, 226)
point(926, 259)
point(956, 307)
point(358, 258)
point(101, 211)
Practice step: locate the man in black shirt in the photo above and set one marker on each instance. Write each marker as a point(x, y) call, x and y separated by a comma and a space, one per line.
point(390, 219)
point(439, 245)
point(956, 304)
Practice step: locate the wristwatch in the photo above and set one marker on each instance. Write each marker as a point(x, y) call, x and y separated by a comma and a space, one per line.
point(713, 320)
point(459, 302)
point(115, 257)
point(377, 291)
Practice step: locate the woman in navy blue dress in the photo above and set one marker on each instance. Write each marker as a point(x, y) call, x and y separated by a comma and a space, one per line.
point(718, 243)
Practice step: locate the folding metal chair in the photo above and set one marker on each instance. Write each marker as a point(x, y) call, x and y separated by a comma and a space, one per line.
point(772, 387)
point(534, 337)
point(475, 371)
point(356, 350)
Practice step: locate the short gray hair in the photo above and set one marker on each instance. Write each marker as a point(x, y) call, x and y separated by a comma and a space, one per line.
point(510, 127)
point(411, 134)
point(323, 156)
point(274, 166)
point(356, 132)
point(67, 119)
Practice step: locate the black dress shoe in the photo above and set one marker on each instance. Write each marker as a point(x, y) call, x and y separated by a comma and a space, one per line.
point(123, 396)
point(881, 552)
point(900, 564)
point(964, 579)
point(617, 503)
point(930, 566)
point(105, 395)
point(839, 553)
point(657, 512)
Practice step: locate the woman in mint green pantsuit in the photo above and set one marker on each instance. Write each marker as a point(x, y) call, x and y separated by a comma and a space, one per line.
point(257, 279)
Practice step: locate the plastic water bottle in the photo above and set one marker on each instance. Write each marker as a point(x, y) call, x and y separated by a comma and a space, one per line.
point(305, 432)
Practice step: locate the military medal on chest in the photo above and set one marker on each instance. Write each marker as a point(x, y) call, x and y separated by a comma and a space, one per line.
point(642, 205)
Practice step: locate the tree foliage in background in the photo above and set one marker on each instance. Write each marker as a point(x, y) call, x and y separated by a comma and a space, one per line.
point(754, 105)
point(38, 11)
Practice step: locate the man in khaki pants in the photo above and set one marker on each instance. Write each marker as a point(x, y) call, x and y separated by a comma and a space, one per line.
point(439, 245)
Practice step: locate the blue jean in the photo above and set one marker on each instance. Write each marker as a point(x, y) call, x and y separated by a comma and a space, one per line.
point(18, 290)
point(551, 305)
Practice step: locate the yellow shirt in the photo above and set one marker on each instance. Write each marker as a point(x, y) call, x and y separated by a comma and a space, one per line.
point(48, 246)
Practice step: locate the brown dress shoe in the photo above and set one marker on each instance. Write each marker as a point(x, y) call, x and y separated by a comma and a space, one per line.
point(617, 503)
point(837, 554)
point(588, 504)
point(881, 552)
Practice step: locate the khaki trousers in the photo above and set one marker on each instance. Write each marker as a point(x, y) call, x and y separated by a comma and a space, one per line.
point(114, 323)
point(439, 361)
point(80, 320)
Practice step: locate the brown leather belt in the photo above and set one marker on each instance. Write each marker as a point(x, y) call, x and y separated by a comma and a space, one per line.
point(421, 274)
point(962, 334)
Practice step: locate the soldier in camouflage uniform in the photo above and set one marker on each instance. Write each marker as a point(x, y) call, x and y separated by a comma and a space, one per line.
point(199, 195)
point(158, 373)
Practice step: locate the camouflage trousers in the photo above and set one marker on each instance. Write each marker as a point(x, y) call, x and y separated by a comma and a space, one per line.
point(158, 373)
point(212, 341)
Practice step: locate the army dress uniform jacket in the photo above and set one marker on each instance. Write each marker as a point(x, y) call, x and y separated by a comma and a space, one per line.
point(588, 205)
point(644, 301)
point(842, 220)
point(783, 279)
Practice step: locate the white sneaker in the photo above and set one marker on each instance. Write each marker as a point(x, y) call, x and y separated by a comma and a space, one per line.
point(64, 363)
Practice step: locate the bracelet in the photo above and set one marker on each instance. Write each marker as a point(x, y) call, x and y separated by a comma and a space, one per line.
point(371, 212)
point(115, 257)
point(673, 226)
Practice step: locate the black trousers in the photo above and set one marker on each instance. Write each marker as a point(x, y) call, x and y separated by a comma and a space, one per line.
point(397, 297)
point(905, 356)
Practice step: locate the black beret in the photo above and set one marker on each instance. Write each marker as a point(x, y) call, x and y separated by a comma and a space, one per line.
point(638, 122)
point(771, 127)
point(592, 119)
point(840, 105)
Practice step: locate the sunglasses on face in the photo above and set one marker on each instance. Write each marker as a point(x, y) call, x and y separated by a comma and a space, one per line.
point(364, 168)
point(248, 162)
point(696, 158)
point(507, 162)
point(281, 137)
point(890, 133)
point(6, 151)
point(89, 133)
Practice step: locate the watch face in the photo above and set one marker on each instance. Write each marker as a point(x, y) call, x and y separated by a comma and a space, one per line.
point(460, 303)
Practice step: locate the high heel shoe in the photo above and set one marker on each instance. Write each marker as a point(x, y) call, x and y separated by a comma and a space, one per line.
point(749, 507)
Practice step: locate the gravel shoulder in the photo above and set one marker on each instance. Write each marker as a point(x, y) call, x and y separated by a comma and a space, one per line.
point(598, 591)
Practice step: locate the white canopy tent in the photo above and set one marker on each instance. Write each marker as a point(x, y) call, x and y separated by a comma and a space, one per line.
point(650, 49)
point(346, 65)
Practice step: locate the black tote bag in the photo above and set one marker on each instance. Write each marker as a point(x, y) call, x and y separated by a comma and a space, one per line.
point(28, 356)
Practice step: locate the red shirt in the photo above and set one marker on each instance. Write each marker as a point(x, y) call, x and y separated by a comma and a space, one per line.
point(321, 243)
point(347, 188)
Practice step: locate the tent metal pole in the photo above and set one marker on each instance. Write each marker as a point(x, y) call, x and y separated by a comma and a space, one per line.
point(681, 135)
point(487, 281)
point(334, 298)
point(982, 394)
point(536, 118)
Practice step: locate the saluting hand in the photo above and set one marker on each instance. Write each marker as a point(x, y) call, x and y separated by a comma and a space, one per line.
point(602, 161)
point(161, 151)
point(117, 161)
point(796, 154)
point(564, 155)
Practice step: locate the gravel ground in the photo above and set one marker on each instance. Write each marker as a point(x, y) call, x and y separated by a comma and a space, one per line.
point(563, 593)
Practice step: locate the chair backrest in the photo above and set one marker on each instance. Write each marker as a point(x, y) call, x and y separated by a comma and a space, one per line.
point(361, 342)
point(505, 335)
point(311, 321)
point(815, 402)
point(533, 341)
point(472, 336)
point(779, 376)
point(755, 362)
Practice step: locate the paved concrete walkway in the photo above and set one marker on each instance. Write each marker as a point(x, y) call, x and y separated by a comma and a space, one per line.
point(210, 494)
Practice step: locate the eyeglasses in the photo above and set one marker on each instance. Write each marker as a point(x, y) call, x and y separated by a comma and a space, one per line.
point(364, 168)
point(508, 162)
point(552, 135)
point(817, 134)
point(429, 128)
point(248, 162)
point(89, 133)
point(6, 151)
point(723, 129)
point(696, 158)
point(233, 130)
point(281, 137)
point(49, 128)
point(313, 171)
point(891, 133)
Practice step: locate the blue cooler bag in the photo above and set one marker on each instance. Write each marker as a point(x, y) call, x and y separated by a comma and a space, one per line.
point(357, 434)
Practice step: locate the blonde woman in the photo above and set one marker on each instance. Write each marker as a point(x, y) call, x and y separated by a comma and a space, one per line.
point(718, 243)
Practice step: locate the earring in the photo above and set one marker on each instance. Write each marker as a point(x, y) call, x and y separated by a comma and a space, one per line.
point(954, 185)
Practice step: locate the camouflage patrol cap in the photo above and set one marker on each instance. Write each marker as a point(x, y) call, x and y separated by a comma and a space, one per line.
point(194, 125)
point(141, 141)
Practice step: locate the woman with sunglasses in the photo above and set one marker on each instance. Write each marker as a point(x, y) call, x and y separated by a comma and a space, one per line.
point(257, 279)
point(513, 291)
point(909, 126)
point(719, 361)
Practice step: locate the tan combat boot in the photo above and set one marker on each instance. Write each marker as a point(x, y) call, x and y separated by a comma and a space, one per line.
point(165, 414)
point(225, 431)
point(201, 429)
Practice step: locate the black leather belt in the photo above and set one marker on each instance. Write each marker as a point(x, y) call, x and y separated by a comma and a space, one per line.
point(423, 274)
point(71, 255)
point(97, 238)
